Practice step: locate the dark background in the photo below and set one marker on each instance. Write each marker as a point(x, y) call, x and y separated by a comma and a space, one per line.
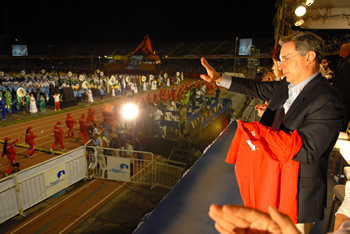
point(78, 21)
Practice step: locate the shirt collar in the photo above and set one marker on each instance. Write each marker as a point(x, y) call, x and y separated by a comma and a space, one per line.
point(301, 85)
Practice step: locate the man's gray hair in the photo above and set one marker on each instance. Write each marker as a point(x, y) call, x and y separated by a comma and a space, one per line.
point(305, 42)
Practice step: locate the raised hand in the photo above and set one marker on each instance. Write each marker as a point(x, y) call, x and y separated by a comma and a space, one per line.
point(212, 74)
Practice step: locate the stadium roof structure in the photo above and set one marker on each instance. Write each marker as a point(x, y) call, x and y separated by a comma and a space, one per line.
point(327, 14)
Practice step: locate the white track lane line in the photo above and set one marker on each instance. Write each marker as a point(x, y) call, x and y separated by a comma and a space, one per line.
point(53, 206)
point(112, 193)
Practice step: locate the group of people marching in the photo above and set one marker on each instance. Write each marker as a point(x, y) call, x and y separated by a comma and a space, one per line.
point(35, 91)
point(9, 147)
point(10, 152)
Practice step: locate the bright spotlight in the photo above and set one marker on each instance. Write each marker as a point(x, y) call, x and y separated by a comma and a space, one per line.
point(299, 22)
point(309, 2)
point(300, 10)
point(129, 111)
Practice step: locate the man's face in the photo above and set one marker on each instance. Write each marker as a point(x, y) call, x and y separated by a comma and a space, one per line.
point(292, 63)
point(324, 63)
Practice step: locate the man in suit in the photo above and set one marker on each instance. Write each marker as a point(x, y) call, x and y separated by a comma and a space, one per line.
point(342, 78)
point(303, 101)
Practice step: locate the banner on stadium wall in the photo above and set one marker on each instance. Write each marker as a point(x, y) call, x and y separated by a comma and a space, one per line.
point(118, 168)
point(55, 179)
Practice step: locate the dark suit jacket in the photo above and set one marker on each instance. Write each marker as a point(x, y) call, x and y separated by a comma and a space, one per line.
point(318, 114)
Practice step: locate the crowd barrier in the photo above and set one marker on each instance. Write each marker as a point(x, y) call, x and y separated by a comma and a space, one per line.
point(118, 166)
point(35, 184)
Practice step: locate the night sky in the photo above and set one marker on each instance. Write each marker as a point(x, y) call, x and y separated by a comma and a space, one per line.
point(78, 21)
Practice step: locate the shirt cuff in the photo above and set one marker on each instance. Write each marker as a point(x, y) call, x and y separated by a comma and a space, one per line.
point(345, 207)
point(226, 81)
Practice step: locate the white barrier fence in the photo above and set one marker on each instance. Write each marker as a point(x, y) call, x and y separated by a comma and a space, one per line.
point(35, 184)
point(149, 170)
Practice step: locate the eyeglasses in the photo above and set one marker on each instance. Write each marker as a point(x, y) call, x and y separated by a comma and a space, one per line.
point(285, 60)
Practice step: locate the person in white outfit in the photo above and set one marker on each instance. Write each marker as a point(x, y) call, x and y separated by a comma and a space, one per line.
point(90, 98)
point(33, 108)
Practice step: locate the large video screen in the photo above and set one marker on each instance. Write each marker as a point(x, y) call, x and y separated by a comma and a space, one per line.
point(19, 50)
point(244, 46)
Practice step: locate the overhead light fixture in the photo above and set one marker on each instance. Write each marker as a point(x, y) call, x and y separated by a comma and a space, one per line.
point(300, 9)
point(299, 22)
point(309, 2)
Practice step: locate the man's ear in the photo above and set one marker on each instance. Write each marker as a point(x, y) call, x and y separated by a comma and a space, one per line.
point(310, 57)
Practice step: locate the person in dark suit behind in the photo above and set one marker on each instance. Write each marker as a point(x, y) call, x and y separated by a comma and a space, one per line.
point(342, 78)
point(308, 103)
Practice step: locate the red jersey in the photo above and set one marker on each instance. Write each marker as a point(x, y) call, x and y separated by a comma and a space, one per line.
point(58, 131)
point(82, 123)
point(265, 171)
point(29, 136)
point(91, 116)
point(70, 121)
point(10, 148)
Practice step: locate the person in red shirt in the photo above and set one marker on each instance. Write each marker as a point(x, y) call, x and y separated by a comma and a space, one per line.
point(91, 115)
point(70, 124)
point(58, 132)
point(86, 132)
point(29, 139)
point(82, 122)
point(10, 151)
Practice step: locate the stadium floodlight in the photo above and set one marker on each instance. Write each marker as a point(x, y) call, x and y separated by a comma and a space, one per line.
point(300, 9)
point(129, 111)
point(309, 2)
point(299, 22)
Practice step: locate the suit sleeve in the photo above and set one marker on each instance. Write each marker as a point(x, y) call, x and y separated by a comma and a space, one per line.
point(253, 88)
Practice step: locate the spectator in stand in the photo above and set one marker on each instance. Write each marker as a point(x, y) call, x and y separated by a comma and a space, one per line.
point(56, 98)
point(157, 116)
point(139, 141)
point(129, 149)
point(171, 107)
point(96, 141)
point(58, 133)
point(342, 79)
point(129, 137)
point(70, 124)
point(329, 72)
point(105, 141)
point(186, 97)
point(94, 129)
point(121, 131)
point(9, 150)
point(162, 106)
point(114, 143)
point(193, 97)
point(29, 139)
point(105, 133)
point(278, 77)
